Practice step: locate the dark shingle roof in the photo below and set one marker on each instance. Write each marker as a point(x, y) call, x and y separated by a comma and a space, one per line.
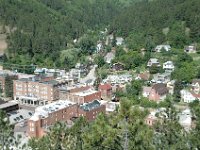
point(90, 106)
point(160, 88)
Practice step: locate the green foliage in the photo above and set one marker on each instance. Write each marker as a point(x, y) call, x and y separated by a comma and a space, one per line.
point(155, 69)
point(99, 60)
point(134, 88)
point(9, 85)
point(185, 73)
point(139, 25)
point(42, 28)
point(6, 132)
point(131, 59)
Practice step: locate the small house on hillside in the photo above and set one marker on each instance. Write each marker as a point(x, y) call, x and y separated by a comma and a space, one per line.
point(169, 66)
point(164, 47)
point(153, 62)
point(191, 48)
point(159, 92)
point(117, 67)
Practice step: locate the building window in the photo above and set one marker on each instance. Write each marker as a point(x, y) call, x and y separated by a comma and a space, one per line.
point(32, 129)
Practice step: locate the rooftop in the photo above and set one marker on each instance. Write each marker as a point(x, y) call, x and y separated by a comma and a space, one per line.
point(90, 106)
point(4, 104)
point(19, 116)
point(86, 92)
point(44, 111)
point(105, 86)
point(34, 79)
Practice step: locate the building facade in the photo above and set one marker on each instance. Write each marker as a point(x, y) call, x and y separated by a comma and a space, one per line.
point(33, 92)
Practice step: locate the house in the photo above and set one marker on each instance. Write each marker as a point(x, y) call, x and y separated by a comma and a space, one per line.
point(160, 47)
point(119, 41)
point(106, 90)
point(161, 78)
point(151, 119)
point(187, 96)
point(117, 67)
point(191, 48)
point(158, 92)
point(169, 66)
point(110, 38)
point(153, 62)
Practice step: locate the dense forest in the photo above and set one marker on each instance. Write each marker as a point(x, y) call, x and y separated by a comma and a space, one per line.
point(41, 29)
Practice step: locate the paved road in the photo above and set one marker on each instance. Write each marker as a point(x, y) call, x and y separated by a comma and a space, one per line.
point(90, 78)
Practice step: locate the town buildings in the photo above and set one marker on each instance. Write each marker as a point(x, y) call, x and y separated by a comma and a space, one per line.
point(62, 110)
point(47, 115)
point(33, 91)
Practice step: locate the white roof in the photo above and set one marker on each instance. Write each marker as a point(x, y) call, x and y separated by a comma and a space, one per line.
point(86, 92)
point(44, 111)
point(19, 116)
point(154, 60)
point(169, 62)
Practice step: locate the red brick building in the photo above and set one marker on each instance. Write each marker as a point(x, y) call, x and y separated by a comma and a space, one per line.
point(106, 90)
point(91, 110)
point(48, 115)
point(85, 96)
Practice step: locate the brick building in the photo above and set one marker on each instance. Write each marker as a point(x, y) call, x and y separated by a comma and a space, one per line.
point(84, 96)
point(35, 92)
point(106, 90)
point(64, 92)
point(91, 110)
point(48, 115)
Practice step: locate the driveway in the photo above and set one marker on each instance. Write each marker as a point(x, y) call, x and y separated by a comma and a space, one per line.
point(90, 78)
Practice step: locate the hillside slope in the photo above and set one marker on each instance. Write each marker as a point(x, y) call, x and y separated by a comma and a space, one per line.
point(147, 20)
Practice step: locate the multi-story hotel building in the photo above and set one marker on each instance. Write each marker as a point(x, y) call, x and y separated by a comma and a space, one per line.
point(35, 92)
